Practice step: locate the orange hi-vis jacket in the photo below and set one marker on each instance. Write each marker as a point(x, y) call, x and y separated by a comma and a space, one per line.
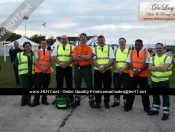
point(43, 60)
point(138, 62)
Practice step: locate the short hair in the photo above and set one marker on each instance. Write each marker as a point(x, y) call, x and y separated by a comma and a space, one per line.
point(83, 34)
point(16, 42)
point(25, 43)
point(159, 44)
point(123, 39)
point(139, 40)
point(43, 40)
point(101, 36)
point(48, 47)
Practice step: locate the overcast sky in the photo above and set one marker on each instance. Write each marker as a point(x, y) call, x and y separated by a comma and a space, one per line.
point(111, 18)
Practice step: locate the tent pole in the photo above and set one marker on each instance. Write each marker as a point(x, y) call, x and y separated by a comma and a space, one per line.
point(4, 52)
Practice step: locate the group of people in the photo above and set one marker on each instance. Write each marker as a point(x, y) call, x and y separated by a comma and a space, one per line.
point(130, 68)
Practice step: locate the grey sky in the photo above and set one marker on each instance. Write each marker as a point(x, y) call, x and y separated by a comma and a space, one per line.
point(111, 18)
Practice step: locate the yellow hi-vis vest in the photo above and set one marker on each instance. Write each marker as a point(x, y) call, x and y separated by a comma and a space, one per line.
point(120, 59)
point(23, 63)
point(158, 76)
point(102, 57)
point(64, 55)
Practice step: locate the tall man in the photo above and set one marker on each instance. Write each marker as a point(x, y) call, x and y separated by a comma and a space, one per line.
point(63, 60)
point(103, 59)
point(160, 66)
point(82, 55)
point(121, 70)
point(43, 62)
point(138, 60)
point(13, 57)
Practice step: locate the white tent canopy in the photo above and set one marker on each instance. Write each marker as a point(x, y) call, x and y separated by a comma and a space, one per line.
point(55, 44)
point(76, 43)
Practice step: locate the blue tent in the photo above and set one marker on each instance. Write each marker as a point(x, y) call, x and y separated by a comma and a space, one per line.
point(76, 43)
point(92, 43)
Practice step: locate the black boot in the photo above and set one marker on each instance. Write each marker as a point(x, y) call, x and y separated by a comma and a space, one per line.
point(115, 104)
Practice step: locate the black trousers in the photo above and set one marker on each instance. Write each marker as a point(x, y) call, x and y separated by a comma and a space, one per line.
point(67, 74)
point(143, 83)
point(16, 74)
point(41, 80)
point(106, 79)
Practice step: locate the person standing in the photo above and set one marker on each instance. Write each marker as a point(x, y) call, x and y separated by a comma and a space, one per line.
point(82, 55)
point(10, 50)
point(24, 62)
point(43, 62)
point(62, 55)
point(138, 60)
point(160, 67)
point(103, 58)
point(121, 71)
point(13, 57)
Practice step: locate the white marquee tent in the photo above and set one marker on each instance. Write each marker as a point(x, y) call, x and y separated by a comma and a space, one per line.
point(55, 44)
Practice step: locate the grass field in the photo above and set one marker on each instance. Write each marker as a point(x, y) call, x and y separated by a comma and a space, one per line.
point(8, 78)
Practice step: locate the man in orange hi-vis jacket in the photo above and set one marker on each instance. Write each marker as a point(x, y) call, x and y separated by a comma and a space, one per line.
point(43, 62)
point(138, 60)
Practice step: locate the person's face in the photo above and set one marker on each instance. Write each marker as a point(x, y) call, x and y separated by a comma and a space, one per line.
point(43, 44)
point(122, 43)
point(83, 39)
point(64, 40)
point(27, 47)
point(159, 49)
point(138, 46)
point(101, 41)
point(16, 45)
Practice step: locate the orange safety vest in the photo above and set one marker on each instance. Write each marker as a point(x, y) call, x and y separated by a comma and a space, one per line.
point(43, 61)
point(138, 62)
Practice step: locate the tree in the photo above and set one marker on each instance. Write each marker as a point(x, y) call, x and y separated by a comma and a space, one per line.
point(51, 40)
point(37, 38)
point(13, 37)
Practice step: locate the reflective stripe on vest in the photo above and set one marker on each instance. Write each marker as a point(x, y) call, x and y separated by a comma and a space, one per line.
point(158, 76)
point(23, 63)
point(138, 62)
point(102, 57)
point(120, 59)
point(64, 55)
point(43, 61)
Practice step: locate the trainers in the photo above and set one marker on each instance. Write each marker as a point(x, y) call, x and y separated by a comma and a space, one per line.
point(98, 105)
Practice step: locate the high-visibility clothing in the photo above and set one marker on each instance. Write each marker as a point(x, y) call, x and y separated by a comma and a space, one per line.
point(120, 59)
point(23, 63)
point(138, 62)
point(64, 55)
point(102, 57)
point(158, 76)
point(43, 61)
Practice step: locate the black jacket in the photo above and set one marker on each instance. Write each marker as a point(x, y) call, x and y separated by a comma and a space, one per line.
point(14, 54)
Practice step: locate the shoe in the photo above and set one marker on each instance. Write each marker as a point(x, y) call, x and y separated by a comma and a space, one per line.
point(54, 102)
point(107, 106)
point(115, 104)
point(34, 104)
point(29, 104)
point(127, 109)
point(153, 112)
point(165, 117)
point(45, 102)
point(92, 105)
point(147, 110)
point(98, 105)
point(75, 104)
point(23, 104)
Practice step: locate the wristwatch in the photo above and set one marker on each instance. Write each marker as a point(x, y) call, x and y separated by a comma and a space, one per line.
point(139, 70)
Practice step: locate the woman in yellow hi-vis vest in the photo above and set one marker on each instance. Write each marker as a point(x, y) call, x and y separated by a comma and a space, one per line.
point(160, 66)
point(25, 64)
